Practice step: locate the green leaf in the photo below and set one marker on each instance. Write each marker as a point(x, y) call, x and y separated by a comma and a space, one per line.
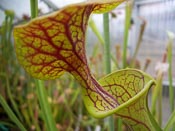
point(130, 88)
point(11, 115)
point(49, 45)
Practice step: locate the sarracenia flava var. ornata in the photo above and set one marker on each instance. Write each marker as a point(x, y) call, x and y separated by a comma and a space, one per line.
point(49, 45)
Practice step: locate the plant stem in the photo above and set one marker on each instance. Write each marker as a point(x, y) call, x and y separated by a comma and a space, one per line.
point(34, 8)
point(170, 122)
point(142, 28)
point(107, 59)
point(31, 114)
point(119, 124)
point(160, 106)
point(171, 89)
point(96, 31)
point(41, 91)
point(14, 105)
point(11, 115)
point(10, 15)
point(128, 11)
point(154, 122)
point(156, 92)
point(45, 107)
point(107, 43)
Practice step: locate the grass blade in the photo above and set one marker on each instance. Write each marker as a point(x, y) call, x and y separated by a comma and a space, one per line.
point(45, 107)
point(11, 115)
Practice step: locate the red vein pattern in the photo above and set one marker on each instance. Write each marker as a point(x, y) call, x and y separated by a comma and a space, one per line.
point(124, 85)
point(49, 45)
